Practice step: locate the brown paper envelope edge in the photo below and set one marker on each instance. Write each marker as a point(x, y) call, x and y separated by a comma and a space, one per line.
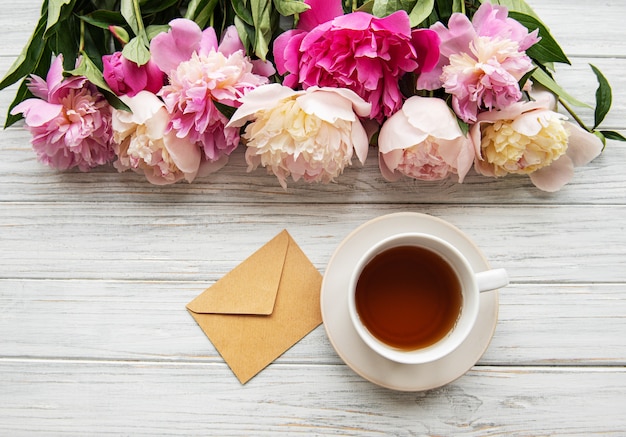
point(234, 292)
point(242, 340)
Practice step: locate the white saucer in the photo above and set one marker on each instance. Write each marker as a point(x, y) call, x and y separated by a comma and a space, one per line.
point(348, 344)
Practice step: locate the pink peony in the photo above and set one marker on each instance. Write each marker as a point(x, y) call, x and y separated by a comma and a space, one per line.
point(70, 120)
point(357, 51)
point(423, 141)
point(126, 77)
point(200, 72)
point(310, 135)
point(143, 144)
point(481, 61)
point(530, 138)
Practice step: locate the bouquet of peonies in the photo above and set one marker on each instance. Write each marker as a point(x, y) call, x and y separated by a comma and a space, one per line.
point(170, 88)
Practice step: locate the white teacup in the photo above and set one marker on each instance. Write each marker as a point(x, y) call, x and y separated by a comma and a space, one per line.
point(414, 298)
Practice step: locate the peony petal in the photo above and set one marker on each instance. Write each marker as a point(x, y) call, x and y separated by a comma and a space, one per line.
point(433, 116)
point(331, 104)
point(360, 141)
point(397, 23)
point(207, 167)
point(555, 176)
point(143, 106)
point(320, 11)
point(262, 97)
point(388, 162)
point(530, 123)
point(287, 51)
point(208, 42)
point(185, 154)
point(170, 48)
point(360, 106)
point(459, 154)
point(426, 43)
point(230, 42)
point(582, 146)
point(55, 73)
point(396, 134)
point(37, 112)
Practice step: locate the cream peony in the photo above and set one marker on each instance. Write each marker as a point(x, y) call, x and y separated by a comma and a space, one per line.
point(308, 135)
point(530, 138)
point(423, 141)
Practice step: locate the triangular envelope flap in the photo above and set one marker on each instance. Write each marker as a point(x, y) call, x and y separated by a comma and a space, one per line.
point(251, 287)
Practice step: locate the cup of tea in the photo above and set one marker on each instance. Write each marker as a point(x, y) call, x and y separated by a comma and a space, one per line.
point(414, 298)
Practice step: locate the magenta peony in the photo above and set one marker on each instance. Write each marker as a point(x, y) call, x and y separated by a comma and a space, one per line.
point(423, 141)
point(70, 120)
point(310, 135)
point(481, 61)
point(358, 51)
point(200, 72)
point(124, 77)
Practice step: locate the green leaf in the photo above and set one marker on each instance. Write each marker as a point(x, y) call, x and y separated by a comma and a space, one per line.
point(226, 110)
point(203, 16)
point(262, 27)
point(525, 78)
point(383, 8)
point(290, 7)
point(239, 6)
point(87, 68)
point(156, 29)
point(156, 6)
point(544, 79)
point(421, 11)
point(547, 49)
point(127, 8)
point(30, 56)
point(54, 11)
point(23, 93)
point(604, 97)
point(136, 51)
point(103, 19)
point(612, 135)
point(366, 7)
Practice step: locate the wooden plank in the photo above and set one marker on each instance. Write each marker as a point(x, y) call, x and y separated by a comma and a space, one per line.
point(538, 324)
point(195, 242)
point(24, 179)
point(56, 397)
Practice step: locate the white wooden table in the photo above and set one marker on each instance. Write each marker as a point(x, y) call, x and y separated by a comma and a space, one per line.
point(96, 270)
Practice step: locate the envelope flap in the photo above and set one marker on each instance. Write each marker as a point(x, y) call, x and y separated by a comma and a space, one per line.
point(251, 287)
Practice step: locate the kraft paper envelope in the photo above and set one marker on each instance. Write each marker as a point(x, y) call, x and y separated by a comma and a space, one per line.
point(262, 307)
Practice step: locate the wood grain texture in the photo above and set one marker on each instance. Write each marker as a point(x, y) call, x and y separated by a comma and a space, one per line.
point(200, 398)
point(96, 268)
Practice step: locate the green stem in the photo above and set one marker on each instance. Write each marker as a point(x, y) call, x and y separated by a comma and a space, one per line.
point(142, 30)
point(571, 112)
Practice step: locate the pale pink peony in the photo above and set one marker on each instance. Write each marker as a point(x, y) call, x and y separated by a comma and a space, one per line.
point(70, 120)
point(126, 77)
point(310, 135)
point(200, 72)
point(144, 145)
point(423, 141)
point(530, 138)
point(358, 51)
point(481, 61)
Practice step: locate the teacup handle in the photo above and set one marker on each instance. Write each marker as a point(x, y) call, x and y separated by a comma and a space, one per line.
point(492, 279)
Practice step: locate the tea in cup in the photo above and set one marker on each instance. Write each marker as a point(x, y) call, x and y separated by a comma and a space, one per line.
point(414, 298)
